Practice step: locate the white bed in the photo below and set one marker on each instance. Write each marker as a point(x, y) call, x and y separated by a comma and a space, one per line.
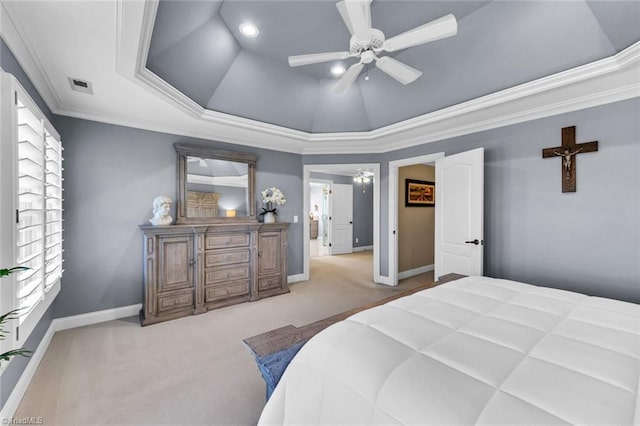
point(473, 351)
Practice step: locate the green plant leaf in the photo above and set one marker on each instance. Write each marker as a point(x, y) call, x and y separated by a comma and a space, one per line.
point(15, 352)
point(6, 271)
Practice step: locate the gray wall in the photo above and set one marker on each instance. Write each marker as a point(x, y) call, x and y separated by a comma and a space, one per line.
point(112, 174)
point(362, 207)
point(363, 215)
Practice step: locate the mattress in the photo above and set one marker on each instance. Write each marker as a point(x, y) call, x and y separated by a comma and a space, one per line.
point(473, 351)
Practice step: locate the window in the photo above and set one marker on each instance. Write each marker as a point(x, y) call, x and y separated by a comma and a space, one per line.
point(33, 179)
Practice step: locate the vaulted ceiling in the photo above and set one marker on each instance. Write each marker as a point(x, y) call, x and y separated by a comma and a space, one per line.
point(182, 67)
point(197, 47)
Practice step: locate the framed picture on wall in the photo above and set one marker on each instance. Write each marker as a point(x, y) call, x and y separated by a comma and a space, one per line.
point(419, 193)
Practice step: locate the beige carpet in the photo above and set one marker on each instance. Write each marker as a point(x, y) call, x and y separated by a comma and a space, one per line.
point(192, 370)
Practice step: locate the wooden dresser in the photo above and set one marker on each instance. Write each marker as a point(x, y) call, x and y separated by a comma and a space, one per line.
point(189, 269)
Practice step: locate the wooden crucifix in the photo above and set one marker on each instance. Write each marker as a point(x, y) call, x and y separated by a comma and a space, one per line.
point(569, 152)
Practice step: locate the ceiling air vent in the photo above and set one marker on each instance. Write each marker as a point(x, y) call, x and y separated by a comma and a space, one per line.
point(81, 85)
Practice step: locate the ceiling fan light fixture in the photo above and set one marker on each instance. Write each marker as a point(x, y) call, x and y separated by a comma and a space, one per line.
point(337, 70)
point(248, 29)
point(363, 178)
point(367, 56)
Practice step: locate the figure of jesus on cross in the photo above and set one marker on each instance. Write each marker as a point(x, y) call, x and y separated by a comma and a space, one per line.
point(566, 160)
point(567, 151)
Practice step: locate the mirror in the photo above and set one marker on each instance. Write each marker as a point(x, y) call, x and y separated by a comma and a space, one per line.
point(214, 185)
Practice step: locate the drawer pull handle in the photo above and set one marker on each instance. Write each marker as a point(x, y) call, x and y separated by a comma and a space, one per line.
point(228, 241)
point(228, 258)
point(228, 274)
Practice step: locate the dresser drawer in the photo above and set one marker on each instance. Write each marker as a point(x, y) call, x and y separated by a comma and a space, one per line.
point(225, 257)
point(226, 241)
point(225, 274)
point(267, 283)
point(175, 301)
point(239, 288)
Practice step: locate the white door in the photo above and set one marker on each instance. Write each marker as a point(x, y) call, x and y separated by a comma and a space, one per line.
point(459, 213)
point(341, 219)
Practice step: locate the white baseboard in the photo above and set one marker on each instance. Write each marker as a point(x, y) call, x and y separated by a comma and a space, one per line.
point(412, 272)
point(296, 278)
point(381, 279)
point(363, 248)
point(96, 317)
point(10, 407)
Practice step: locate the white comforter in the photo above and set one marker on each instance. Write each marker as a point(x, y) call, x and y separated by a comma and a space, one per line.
point(476, 350)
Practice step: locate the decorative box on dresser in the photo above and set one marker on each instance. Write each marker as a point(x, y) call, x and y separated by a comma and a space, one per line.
point(190, 269)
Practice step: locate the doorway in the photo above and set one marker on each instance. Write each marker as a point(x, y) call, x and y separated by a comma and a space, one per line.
point(416, 219)
point(347, 172)
point(394, 182)
point(459, 200)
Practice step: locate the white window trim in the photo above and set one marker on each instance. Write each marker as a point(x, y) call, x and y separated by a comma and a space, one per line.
point(14, 338)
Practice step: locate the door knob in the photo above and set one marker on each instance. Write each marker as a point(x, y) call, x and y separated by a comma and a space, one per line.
point(476, 242)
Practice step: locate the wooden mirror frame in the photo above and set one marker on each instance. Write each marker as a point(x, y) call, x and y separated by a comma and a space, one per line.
point(184, 150)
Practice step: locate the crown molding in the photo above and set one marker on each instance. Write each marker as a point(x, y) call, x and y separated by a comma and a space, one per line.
point(11, 31)
point(605, 81)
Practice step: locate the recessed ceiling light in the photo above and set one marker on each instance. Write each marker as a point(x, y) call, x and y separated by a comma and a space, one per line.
point(337, 70)
point(249, 30)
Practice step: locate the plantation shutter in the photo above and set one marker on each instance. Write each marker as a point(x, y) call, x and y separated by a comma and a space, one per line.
point(39, 212)
point(31, 210)
point(53, 213)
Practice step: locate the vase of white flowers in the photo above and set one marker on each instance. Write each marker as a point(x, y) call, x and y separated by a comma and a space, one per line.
point(271, 197)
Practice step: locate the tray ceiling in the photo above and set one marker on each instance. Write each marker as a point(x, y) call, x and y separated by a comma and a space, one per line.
point(197, 48)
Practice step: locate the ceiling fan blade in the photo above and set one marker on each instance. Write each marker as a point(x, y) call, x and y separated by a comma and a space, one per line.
point(396, 69)
point(314, 58)
point(348, 78)
point(446, 26)
point(359, 15)
point(342, 9)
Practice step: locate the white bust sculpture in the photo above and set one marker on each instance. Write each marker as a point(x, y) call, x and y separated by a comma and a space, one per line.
point(161, 206)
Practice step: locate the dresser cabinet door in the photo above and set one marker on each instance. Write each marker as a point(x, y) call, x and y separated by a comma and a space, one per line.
point(176, 263)
point(271, 277)
point(269, 253)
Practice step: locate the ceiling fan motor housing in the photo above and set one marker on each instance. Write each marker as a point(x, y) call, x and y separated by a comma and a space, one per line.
point(370, 40)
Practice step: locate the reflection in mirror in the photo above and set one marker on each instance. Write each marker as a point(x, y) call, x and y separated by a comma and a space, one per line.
point(214, 185)
point(217, 188)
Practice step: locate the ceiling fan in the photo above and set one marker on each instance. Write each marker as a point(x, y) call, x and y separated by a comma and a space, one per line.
point(367, 42)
